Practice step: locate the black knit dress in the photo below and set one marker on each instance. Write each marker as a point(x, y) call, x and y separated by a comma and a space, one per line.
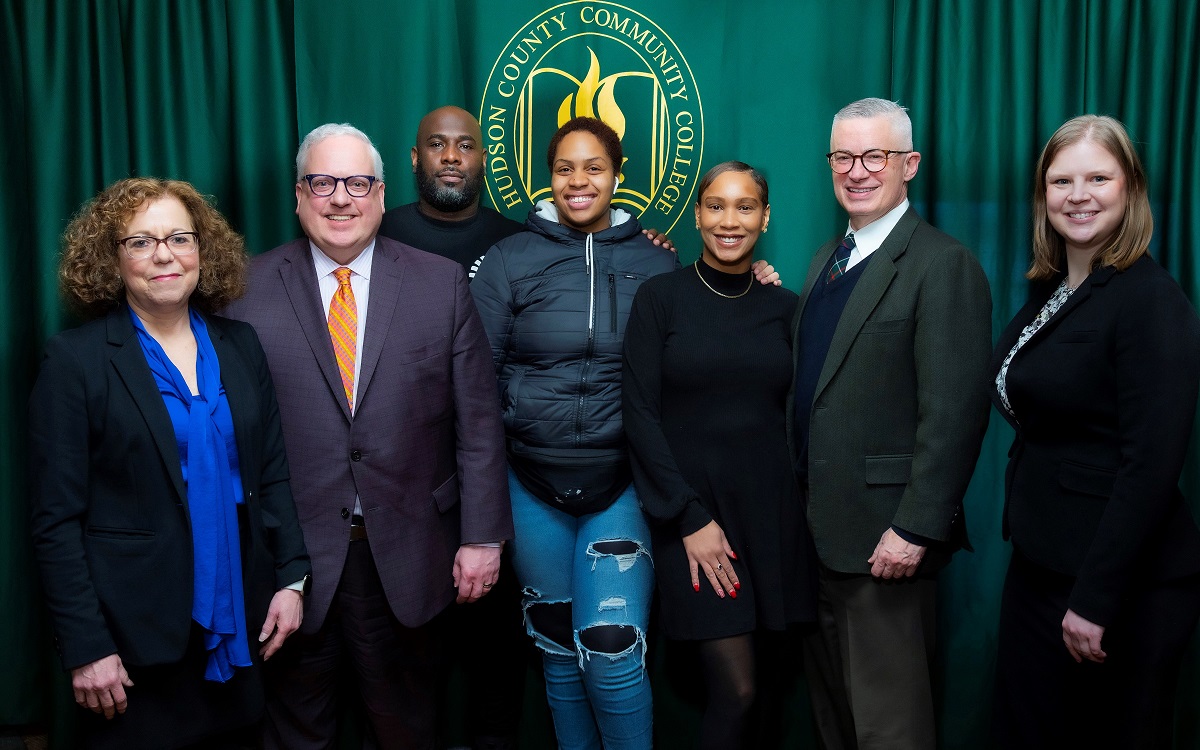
point(705, 387)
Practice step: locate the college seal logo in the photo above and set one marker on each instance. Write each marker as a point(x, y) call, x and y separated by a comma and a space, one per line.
point(596, 59)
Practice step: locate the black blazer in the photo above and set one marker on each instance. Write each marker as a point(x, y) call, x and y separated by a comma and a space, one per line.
point(1105, 395)
point(110, 525)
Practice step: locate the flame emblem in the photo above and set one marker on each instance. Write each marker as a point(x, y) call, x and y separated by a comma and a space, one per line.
point(593, 88)
point(604, 60)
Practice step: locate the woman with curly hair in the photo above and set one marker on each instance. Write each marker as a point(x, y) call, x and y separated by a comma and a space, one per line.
point(163, 522)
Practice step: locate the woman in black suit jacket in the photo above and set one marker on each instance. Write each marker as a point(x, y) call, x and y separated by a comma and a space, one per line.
point(1098, 374)
point(163, 521)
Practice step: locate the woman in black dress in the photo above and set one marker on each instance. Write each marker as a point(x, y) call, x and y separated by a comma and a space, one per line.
point(708, 365)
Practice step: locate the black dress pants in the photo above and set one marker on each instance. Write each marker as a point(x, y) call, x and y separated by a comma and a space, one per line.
point(395, 668)
point(1045, 700)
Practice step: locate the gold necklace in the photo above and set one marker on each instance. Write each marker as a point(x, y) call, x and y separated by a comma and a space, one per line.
point(714, 291)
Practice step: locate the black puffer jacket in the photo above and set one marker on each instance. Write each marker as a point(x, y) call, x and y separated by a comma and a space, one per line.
point(554, 302)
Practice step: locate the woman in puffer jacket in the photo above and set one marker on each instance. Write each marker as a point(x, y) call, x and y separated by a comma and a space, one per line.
point(554, 300)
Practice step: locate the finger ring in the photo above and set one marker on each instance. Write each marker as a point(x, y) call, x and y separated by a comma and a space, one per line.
point(487, 585)
point(719, 566)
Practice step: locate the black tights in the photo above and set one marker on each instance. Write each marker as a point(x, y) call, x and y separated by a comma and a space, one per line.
point(729, 675)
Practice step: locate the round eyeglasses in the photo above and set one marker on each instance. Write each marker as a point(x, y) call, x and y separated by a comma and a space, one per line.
point(873, 161)
point(323, 185)
point(142, 246)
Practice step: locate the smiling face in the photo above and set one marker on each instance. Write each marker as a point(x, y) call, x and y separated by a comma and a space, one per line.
point(1086, 197)
point(582, 181)
point(449, 162)
point(731, 216)
point(340, 225)
point(867, 196)
point(161, 284)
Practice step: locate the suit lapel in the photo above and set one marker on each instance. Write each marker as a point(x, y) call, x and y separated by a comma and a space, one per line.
point(300, 283)
point(1095, 279)
point(239, 385)
point(130, 364)
point(876, 278)
point(387, 276)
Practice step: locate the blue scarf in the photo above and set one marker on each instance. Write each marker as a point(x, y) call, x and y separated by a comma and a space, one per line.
point(209, 459)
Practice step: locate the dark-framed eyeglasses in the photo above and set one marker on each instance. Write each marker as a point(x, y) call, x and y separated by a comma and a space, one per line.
point(142, 246)
point(322, 185)
point(873, 160)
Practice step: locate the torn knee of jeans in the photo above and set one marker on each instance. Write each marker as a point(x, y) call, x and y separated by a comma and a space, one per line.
point(610, 640)
point(552, 621)
point(625, 551)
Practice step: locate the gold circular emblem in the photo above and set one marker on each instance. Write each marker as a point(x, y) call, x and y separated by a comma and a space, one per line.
point(594, 59)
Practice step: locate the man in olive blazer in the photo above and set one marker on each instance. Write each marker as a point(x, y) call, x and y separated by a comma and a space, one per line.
point(399, 474)
point(892, 339)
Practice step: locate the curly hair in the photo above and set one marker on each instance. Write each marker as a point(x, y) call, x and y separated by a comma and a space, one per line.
point(1132, 238)
point(89, 272)
point(606, 135)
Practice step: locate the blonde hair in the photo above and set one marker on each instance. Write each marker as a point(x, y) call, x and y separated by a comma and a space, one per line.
point(1132, 238)
point(89, 272)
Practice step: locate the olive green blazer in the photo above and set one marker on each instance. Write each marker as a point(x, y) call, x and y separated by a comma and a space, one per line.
point(901, 405)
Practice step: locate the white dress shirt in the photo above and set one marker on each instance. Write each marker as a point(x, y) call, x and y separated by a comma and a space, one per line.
point(868, 239)
point(360, 283)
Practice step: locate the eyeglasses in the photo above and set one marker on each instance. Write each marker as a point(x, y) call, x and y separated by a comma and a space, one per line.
point(142, 246)
point(322, 185)
point(873, 161)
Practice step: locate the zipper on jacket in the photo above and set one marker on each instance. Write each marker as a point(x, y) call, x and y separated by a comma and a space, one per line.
point(612, 302)
point(581, 400)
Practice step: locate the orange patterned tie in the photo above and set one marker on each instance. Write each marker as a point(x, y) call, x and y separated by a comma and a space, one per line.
point(343, 330)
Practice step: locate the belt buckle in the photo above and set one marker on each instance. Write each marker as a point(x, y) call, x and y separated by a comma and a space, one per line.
point(358, 529)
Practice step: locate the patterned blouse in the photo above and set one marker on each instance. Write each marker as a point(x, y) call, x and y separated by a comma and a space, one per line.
point(1061, 295)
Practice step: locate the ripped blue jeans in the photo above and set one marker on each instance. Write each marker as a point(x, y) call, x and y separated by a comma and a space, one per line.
point(587, 585)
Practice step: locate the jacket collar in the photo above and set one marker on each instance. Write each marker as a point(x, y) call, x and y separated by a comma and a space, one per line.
point(130, 364)
point(299, 279)
point(876, 279)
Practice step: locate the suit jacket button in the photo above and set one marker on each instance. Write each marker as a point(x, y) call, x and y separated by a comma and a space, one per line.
point(345, 512)
point(355, 455)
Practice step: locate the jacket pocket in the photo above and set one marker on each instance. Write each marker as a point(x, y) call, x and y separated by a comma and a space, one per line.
point(885, 326)
point(132, 535)
point(888, 469)
point(1087, 480)
point(445, 496)
point(512, 391)
point(1078, 337)
point(419, 353)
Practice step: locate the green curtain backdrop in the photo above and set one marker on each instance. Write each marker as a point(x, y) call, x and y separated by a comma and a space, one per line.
point(218, 92)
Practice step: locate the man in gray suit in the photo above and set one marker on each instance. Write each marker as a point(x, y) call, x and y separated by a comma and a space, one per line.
point(892, 342)
point(388, 397)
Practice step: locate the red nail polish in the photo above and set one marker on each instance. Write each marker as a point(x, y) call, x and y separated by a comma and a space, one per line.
point(733, 555)
point(696, 586)
point(733, 593)
point(737, 585)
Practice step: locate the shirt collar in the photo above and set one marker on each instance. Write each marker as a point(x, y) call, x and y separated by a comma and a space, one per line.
point(360, 266)
point(868, 239)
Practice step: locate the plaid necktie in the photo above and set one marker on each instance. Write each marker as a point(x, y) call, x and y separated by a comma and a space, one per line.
point(841, 258)
point(343, 330)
